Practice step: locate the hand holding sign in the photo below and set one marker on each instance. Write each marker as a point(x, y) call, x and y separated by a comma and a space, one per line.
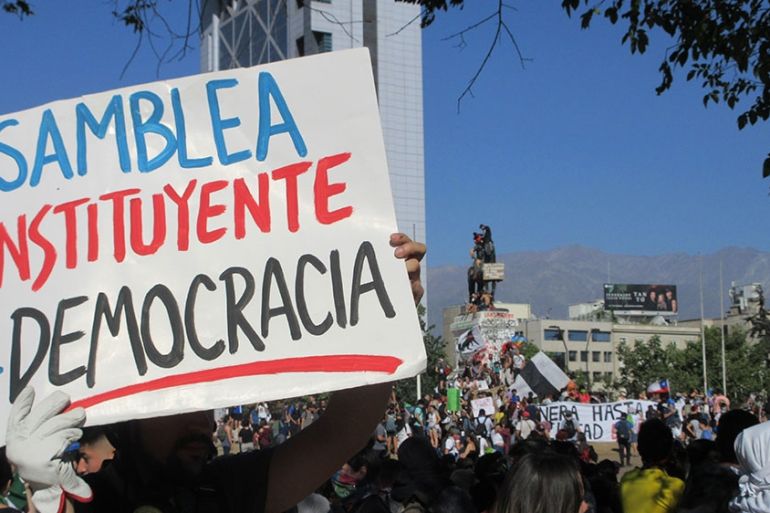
point(36, 438)
point(412, 252)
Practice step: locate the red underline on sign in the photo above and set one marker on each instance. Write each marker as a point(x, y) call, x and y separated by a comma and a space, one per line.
point(328, 363)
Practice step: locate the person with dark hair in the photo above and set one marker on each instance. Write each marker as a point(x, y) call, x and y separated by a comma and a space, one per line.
point(246, 434)
point(731, 424)
point(622, 429)
point(604, 484)
point(545, 482)
point(530, 446)
point(709, 486)
point(95, 448)
point(421, 479)
point(651, 489)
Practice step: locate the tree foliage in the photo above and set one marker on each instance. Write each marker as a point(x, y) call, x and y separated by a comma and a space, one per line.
point(746, 362)
point(722, 44)
point(19, 7)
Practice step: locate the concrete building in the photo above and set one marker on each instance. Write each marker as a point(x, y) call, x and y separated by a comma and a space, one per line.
point(592, 346)
point(589, 346)
point(586, 346)
point(240, 33)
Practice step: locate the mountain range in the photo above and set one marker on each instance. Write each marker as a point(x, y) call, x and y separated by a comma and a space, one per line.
point(552, 280)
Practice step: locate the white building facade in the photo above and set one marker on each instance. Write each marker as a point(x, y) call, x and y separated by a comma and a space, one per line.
point(241, 33)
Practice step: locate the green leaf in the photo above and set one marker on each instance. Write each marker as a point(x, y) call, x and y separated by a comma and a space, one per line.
point(585, 18)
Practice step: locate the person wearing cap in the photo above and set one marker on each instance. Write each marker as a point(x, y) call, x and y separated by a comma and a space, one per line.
point(569, 426)
point(525, 426)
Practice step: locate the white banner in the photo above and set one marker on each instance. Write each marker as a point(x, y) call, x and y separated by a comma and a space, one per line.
point(595, 420)
point(197, 243)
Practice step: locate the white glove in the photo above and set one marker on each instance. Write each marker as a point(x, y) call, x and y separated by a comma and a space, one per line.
point(35, 441)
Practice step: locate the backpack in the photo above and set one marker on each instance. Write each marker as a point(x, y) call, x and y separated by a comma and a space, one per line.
point(481, 428)
point(622, 430)
point(221, 434)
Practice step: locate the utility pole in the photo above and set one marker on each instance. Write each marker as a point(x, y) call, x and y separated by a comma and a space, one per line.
point(722, 325)
point(703, 331)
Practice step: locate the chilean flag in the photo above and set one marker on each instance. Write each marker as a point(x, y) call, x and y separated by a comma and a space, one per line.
point(658, 387)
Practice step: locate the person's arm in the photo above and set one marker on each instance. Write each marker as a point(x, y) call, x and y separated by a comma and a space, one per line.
point(305, 461)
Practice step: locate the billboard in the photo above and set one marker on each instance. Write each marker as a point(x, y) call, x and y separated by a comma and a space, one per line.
point(641, 298)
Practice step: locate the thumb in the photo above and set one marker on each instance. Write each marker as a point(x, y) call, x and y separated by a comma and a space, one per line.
point(73, 485)
point(49, 500)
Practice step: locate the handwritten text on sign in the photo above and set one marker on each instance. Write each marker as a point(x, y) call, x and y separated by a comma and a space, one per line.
point(208, 241)
point(595, 420)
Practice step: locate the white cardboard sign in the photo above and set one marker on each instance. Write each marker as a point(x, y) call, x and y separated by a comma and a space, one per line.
point(202, 242)
point(484, 403)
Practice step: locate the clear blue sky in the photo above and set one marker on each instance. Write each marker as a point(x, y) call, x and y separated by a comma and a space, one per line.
point(575, 149)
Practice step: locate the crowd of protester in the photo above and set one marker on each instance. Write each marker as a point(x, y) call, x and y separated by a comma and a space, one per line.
point(423, 456)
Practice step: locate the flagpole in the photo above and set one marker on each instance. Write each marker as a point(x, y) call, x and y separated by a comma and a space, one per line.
point(703, 331)
point(722, 325)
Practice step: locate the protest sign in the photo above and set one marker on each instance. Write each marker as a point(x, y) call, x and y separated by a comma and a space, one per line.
point(202, 242)
point(452, 399)
point(595, 420)
point(485, 403)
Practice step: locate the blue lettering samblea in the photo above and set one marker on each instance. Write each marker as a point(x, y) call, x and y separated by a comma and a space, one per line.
point(16, 155)
point(218, 125)
point(84, 117)
point(268, 88)
point(49, 130)
point(152, 125)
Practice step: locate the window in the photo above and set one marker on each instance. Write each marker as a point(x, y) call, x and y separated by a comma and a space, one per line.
point(608, 376)
point(596, 356)
point(323, 40)
point(552, 334)
point(597, 376)
point(558, 359)
point(608, 357)
point(578, 335)
point(600, 336)
point(573, 356)
point(583, 356)
point(301, 46)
